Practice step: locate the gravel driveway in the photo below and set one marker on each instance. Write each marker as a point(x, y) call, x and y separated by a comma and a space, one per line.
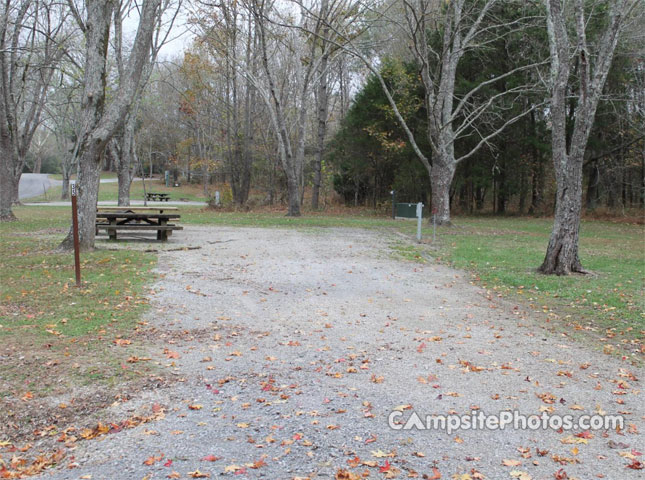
point(291, 348)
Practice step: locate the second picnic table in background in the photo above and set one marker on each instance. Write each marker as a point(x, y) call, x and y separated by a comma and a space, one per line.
point(161, 197)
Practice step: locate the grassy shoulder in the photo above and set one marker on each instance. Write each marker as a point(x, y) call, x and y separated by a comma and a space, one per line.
point(54, 336)
point(607, 305)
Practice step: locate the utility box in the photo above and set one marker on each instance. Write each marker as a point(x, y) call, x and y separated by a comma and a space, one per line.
point(406, 210)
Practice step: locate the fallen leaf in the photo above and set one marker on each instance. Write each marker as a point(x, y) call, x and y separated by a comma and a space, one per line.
point(198, 474)
point(346, 475)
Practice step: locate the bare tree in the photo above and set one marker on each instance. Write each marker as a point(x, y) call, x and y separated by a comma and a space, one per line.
point(237, 46)
point(463, 26)
point(290, 59)
point(291, 152)
point(31, 32)
point(123, 148)
point(589, 65)
point(328, 13)
point(101, 120)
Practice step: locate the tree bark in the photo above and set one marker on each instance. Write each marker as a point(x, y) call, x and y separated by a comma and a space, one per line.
point(6, 179)
point(441, 178)
point(15, 187)
point(87, 192)
point(562, 252)
point(123, 159)
point(289, 160)
point(537, 170)
point(64, 194)
point(123, 155)
point(322, 106)
point(101, 122)
point(592, 187)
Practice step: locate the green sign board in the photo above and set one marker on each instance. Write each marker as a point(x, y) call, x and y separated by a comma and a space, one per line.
point(406, 210)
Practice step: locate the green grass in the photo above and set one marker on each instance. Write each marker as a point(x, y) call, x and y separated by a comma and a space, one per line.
point(109, 192)
point(36, 278)
point(43, 314)
point(505, 252)
point(411, 253)
point(59, 176)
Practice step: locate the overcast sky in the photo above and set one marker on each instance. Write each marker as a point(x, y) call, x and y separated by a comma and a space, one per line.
point(179, 39)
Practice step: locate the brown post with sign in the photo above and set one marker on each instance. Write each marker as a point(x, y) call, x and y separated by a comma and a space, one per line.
point(77, 258)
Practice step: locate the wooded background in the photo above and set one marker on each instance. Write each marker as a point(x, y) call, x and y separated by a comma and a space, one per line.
point(469, 106)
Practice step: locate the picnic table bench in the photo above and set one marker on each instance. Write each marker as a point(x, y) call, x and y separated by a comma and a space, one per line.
point(113, 219)
point(161, 197)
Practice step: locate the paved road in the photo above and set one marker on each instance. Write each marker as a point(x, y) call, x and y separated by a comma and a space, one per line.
point(35, 184)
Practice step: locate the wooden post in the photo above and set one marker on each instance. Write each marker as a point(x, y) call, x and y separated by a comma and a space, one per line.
point(77, 258)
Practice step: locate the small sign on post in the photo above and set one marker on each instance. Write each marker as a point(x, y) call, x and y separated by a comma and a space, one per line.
point(419, 220)
point(77, 257)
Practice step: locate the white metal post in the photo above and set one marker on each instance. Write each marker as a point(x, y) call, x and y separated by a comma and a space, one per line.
point(419, 220)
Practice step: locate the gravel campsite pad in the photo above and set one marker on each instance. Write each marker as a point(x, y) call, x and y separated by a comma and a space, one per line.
point(290, 349)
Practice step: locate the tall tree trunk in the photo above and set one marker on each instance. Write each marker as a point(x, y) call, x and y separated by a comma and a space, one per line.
point(100, 122)
point(64, 193)
point(125, 181)
point(537, 168)
point(123, 155)
point(293, 195)
point(502, 188)
point(480, 197)
point(15, 187)
point(641, 200)
point(537, 183)
point(29, 51)
point(249, 110)
point(87, 192)
point(440, 181)
point(562, 252)
point(6, 178)
point(592, 187)
point(322, 105)
point(523, 189)
point(89, 148)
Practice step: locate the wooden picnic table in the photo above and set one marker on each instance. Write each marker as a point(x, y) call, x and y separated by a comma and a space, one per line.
point(113, 219)
point(161, 197)
point(160, 209)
